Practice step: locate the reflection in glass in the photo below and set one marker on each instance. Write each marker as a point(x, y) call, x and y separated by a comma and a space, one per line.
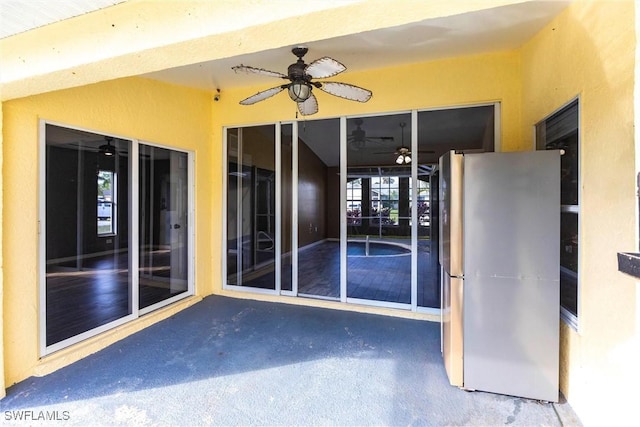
point(88, 282)
point(286, 140)
point(569, 261)
point(319, 208)
point(427, 205)
point(560, 132)
point(234, 175)
point(378, 209)
point(251, 215)
point(467, 129)
point(568, 167)
point(163, 224)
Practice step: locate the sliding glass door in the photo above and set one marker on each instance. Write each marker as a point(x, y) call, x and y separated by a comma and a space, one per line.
point(116, 239)
point(163, 224)
point(378, 208)
point(344, 209)
point(251, 207)
point(87, 265)
point(318, 212)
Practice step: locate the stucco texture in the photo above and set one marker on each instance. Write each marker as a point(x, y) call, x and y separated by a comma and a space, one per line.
point(589, 52)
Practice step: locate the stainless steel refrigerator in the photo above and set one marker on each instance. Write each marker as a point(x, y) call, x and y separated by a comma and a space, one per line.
point(500, 258)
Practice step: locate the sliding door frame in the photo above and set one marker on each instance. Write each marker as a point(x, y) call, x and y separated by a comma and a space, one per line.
point(133, 218)
point(191, 226)
point(413, 305)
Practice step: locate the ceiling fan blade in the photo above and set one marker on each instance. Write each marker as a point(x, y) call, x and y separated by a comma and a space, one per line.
point(378, 138)
point(308, 107)
point(253, 70)
point(324, 67)
point(346, 91)
point(260, 96)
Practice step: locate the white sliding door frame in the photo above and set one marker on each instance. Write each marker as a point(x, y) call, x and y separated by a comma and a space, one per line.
point(191, 228)
point(343, 168)
point(133, 249)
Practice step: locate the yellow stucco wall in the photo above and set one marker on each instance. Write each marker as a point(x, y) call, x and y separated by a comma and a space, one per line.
point(589, 51)
point(132, 108)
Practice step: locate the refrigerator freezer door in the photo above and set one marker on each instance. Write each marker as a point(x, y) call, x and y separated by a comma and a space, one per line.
point(451, 181)
point(511, 294)
point(511, 337)
point(452, 349)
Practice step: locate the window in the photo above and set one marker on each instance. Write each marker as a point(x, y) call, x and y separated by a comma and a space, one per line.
point(560, 131)
point(106, 181)
point(385, 196)
point(354, 201)
point(423, 194)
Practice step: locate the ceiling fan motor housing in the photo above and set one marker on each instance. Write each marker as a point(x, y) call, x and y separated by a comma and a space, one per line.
point(296, 71)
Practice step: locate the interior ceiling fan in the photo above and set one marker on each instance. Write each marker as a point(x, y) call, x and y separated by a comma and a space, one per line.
point(106, 148)
point(358, 137)
point(403, 152)
point(301, 83)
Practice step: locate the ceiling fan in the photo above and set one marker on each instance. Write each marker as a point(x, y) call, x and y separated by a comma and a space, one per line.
point(404, 153)
point(300, 76)
point(108, 149)
point(358, 137)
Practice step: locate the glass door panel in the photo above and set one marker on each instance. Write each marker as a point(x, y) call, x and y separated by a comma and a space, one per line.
point(87, 277)
point(319, 209)
point(286, 194)
point(251, 202)
point(163, 225)
point(379, 208)
point(466, 129)
point(427, 255)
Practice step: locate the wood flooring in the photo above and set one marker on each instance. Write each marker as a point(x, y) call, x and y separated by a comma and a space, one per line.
point(78, 300)
point(377, 278)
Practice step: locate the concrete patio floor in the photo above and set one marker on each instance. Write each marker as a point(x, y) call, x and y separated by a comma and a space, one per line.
point(228, 361)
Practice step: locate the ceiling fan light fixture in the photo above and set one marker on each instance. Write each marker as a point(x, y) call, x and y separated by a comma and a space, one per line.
point(403, 159)
point(299, 91)
point(107, 149)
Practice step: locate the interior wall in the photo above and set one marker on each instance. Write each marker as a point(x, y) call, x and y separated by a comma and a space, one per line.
point(589, 51)
point(129, 108)
point(62, 231)
point(333, 202)
point(312, 195)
